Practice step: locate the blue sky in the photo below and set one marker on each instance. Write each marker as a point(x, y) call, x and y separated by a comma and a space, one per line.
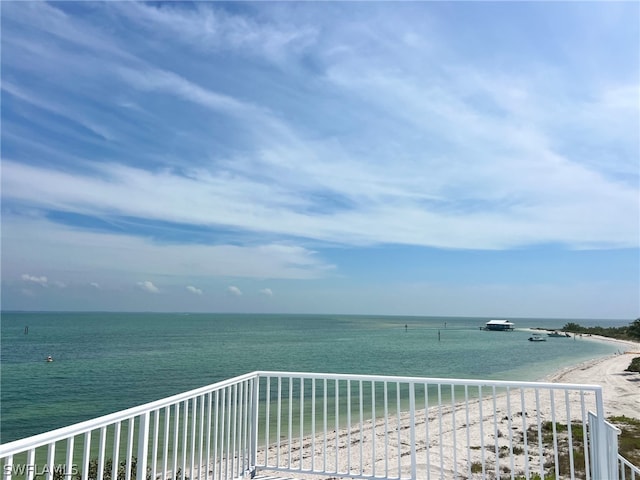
point(421, 158)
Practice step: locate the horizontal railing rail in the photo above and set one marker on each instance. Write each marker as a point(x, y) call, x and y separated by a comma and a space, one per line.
point(363, 426)
point(334, 425)
point(177, 437)
point(627, 470)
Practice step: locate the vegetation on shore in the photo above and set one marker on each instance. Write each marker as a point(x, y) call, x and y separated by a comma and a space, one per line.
point(107, 471)
point(628, 444)
point(629, 438)
point(630, 332)
point(634, 366)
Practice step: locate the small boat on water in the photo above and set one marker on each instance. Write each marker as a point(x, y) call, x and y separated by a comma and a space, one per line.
point(49, 359)
point(499, 326)
point(558, 334)
point(536, 337)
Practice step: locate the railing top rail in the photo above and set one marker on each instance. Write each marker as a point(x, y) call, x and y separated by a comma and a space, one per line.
point(96, 423)
point(45, 438)
point(595, 417)
point(432, 380)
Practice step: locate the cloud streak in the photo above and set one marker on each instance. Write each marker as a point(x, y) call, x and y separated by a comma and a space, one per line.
point(194, 290)
point(235, 291)
point(537, 211)
point(198, 141)
point(148, 286)
point(67, 249)
point(460, 149)
point(42, 280)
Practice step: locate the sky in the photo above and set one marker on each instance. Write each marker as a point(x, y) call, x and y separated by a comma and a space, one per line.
point(397, 158)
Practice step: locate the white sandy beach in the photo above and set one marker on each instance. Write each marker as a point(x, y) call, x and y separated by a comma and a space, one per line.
point(453, 444)
point(621, 390)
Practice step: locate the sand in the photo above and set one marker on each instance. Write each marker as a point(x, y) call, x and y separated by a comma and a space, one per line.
point(462, 436)
point(621, 390)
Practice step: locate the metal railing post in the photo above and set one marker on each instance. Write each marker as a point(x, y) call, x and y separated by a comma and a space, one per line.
point(143, 446)
point(68, 468)
point(255, 408)
point(235, 415)
point(605, 468)
point(8, 468)
point(412, 427)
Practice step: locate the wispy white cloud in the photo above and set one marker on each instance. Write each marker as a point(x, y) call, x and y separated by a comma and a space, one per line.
point(546, 191)
point(207, 29)
point(194, 290)
point(266, 292)
point(42, 280)
point(476, 163)
point(66, 249)
point(235, 291)
point(59, 109)
point(148, 286)
point(95, 285)
point(171, 83)
point(294, 126)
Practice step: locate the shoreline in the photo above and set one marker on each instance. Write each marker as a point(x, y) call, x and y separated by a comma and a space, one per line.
point(620, 389)
point(621, 397)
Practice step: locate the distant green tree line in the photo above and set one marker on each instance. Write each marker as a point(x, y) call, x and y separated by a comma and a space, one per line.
point(630, 332)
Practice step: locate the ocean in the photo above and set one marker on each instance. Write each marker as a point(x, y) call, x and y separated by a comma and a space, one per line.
point(105, 362)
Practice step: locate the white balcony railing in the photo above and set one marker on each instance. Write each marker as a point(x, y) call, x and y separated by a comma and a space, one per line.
point(331, 425)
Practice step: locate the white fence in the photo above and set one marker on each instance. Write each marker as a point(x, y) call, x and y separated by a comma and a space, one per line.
point(628, 471)
point(392, 428)
point(204, 433)
point(356, 426)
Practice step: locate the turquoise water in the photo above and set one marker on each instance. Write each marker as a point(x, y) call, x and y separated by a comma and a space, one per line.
point(105, 362)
